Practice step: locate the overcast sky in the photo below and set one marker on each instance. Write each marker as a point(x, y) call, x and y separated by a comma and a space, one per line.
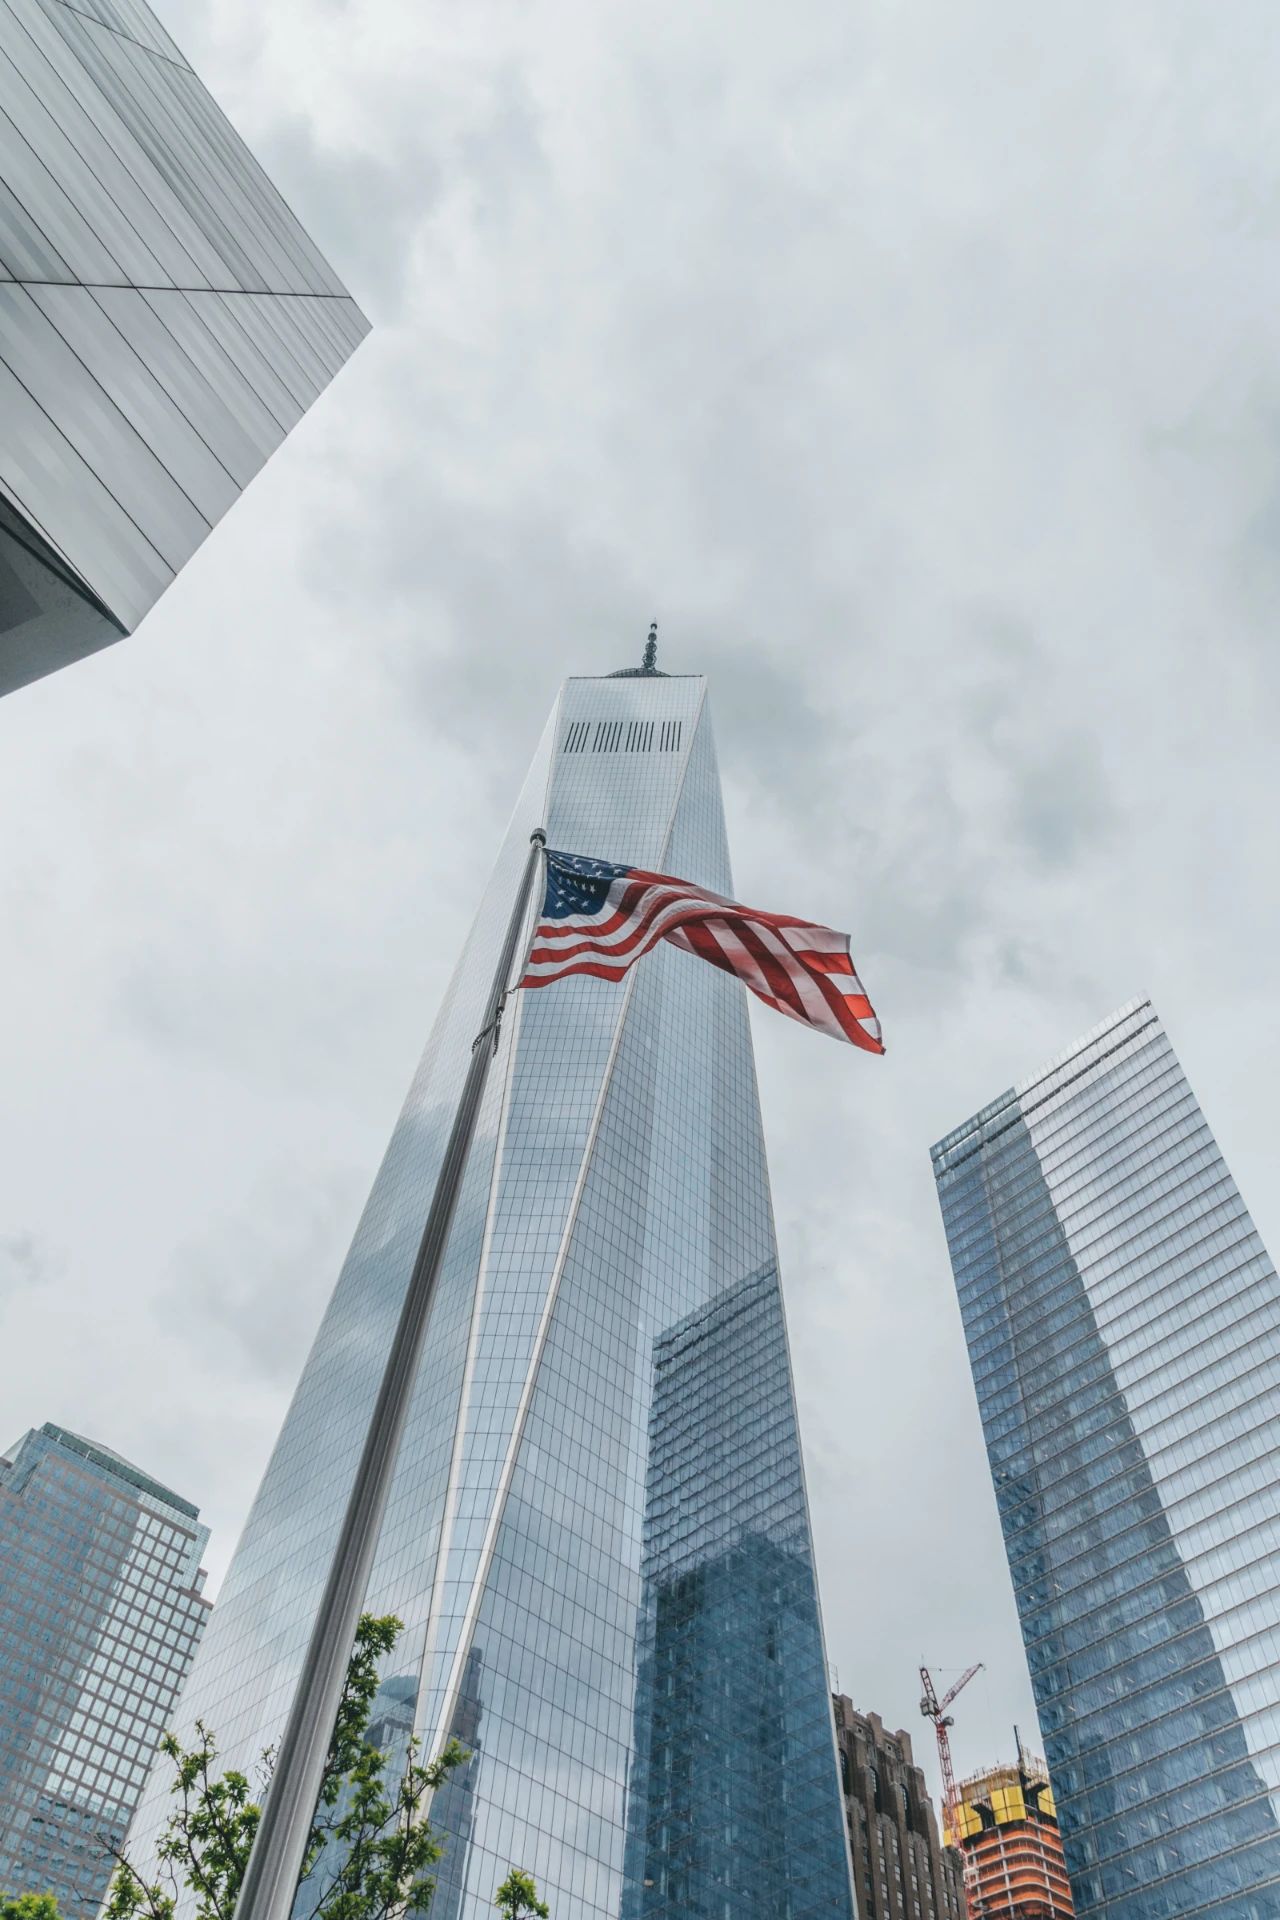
point(917, 367)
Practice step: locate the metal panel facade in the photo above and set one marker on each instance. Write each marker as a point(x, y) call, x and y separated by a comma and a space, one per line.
point(164, 322)
point(1123, 1323)
point(597, 1538)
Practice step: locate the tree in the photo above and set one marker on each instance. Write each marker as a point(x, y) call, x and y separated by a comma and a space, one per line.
point(379, 1849)
point(518, 1897)
point(28, 1906)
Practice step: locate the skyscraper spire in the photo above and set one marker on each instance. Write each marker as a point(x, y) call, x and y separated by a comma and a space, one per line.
point(648, 668)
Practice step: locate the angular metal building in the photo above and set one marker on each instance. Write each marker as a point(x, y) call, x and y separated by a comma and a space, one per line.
point(1123, 1324)
point(164, 322)
point(101, 1611)
point(598, 1536)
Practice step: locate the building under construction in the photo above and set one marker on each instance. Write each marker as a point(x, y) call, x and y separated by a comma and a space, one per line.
point(1006, 1824)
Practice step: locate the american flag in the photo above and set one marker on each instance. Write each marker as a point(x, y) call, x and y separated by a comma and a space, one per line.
point(598, 918)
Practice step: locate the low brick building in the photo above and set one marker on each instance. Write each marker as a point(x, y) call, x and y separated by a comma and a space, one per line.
point(901, 1871)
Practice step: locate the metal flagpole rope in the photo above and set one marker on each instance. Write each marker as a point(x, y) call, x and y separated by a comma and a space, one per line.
point(271, 1878)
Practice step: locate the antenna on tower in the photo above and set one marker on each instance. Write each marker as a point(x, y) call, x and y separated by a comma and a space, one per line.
point(648, 668)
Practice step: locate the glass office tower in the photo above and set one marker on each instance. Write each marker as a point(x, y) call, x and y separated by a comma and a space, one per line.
point(164, 322)
point(597, 1537)
point(101, 1611)
point(1123, 1324)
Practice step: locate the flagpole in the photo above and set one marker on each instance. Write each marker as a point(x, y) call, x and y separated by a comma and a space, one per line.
point(275, 1864)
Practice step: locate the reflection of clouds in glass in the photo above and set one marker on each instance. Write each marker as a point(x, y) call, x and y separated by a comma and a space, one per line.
point(453, 1809)
point(731, 1691)
point(1123, 1321)
point(616, 1190)
point(101, 1609)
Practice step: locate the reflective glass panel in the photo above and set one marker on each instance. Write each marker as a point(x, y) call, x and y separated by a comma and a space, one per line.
point(100, 1613)
point(597, 1537)
point(1123, 1322)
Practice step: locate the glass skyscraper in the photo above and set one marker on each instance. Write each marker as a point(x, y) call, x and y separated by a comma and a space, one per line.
point(598, 1535)
point(101, 1611)
point(164, 322)
point(1123, 1324)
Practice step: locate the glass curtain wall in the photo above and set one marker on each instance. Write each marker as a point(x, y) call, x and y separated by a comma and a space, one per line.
point(566, 1525)
point(101, 1610)
point(1123, 1324)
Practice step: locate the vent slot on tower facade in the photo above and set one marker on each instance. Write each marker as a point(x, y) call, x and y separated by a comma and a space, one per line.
point(622, 736)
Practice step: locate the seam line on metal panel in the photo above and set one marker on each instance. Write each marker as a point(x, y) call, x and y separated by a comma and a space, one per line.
point(75, 580)
point(178, 406)
point(116, 407)
point(73, 54)
point(182, 121)
point(173, 286)
point(265, 226)
point(219, 347)
point(157, 53)
point(17, 379)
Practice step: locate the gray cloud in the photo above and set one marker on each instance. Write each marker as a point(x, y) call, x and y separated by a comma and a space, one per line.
point(256, 1284)
point(372, 206)
point(24, 1262)
point(915, 367)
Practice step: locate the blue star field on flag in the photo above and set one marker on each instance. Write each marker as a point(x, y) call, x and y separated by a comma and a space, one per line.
point(578, 885)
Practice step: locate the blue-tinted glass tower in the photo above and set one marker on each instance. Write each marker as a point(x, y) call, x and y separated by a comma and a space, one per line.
point(101, 1610)
point(1123, 1324)
point(598, 1536)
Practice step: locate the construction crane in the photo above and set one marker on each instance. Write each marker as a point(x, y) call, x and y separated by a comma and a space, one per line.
point(936, 1710)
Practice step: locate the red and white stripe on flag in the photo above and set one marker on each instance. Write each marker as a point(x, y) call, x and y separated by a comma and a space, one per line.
point(803, 970)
